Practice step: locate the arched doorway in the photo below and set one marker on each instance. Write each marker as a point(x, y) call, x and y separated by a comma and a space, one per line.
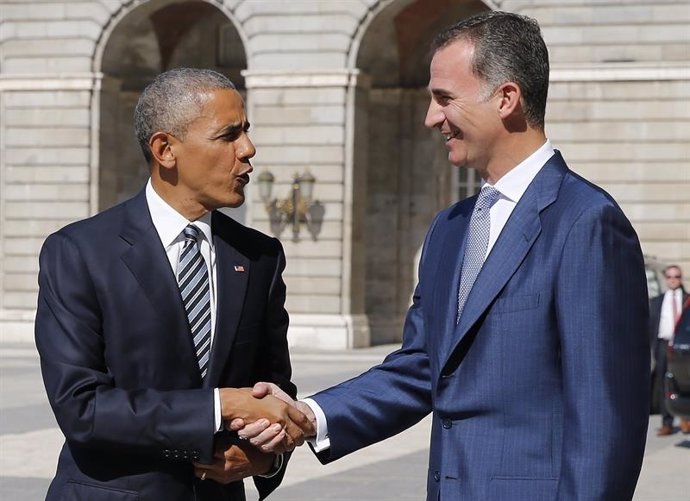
point(408, 178)
point(154, 37)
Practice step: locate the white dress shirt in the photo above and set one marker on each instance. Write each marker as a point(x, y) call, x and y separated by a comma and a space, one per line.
point(169, 225)
point(512, 186)
point(667, 322)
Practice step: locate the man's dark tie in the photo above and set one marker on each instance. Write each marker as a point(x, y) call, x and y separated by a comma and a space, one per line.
point(477, 243)
point(192, 277)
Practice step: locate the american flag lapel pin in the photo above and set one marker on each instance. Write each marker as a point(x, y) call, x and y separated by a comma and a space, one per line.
point(239, 268)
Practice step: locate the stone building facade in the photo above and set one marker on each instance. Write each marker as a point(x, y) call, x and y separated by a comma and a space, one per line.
point(335, 87)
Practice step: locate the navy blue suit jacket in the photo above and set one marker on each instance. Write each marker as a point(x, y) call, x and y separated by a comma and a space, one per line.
point(118, 360)
point(541, 392)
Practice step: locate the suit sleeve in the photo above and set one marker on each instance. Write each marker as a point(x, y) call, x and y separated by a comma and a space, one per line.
point(90, 409)
point(386, 399)
point(602, 316)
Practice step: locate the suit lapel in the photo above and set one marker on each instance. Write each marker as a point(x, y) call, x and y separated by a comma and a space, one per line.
point(232, 269)
point(149, 264)
point(447, 275)
point(518, 235)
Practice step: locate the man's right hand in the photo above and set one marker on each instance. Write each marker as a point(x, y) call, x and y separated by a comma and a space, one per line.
point(261, 433)
point(267, 410)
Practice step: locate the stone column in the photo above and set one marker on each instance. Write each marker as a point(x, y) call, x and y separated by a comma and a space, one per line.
point(306, 120)
point(48, 146)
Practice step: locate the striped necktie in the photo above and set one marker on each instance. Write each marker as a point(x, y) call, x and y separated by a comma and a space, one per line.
point(477, 243)
point(192, 277)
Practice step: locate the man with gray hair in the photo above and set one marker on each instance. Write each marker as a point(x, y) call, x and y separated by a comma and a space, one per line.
point(152, 316)
point(526, 338)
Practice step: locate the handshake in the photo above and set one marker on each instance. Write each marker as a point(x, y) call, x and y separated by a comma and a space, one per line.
point(268, 421)
point(267, 417)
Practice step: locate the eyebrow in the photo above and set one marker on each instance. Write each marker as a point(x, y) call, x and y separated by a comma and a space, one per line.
point(439, 92)
point(234, 128)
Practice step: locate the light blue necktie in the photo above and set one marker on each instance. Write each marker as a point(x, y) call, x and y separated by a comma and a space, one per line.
point(477, 243)
point(192, 277)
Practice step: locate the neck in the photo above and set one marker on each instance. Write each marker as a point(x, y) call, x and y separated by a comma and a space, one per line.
point(173, 194)
point(511, 150)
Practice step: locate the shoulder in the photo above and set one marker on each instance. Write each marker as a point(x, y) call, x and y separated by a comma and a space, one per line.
point(580, 192)
point(93, 231)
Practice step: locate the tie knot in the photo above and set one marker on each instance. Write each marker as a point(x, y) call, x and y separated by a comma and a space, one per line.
point(191, 232)
point(487, 197)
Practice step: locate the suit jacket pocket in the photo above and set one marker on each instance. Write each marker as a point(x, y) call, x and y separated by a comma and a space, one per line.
point(516, 303)
point(523, 489)
point(78, 491)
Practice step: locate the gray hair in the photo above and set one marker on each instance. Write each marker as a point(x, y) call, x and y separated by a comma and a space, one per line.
point(173, 101)
point(507, 48)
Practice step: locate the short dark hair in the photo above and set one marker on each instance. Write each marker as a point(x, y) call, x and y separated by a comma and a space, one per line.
point(672, 266)
point(172, 101)
point(508, 47)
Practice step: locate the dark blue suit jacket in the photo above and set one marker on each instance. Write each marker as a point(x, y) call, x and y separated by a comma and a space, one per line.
point(118, 360)
point(541, 392)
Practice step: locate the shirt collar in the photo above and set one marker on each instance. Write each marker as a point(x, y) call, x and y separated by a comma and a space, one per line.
point(515, 182)
point(169, 223)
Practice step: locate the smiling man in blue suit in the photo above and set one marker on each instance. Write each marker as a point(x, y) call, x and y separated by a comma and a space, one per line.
point(527, 335)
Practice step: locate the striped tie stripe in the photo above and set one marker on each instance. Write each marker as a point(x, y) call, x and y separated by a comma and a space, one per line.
point(192, 278)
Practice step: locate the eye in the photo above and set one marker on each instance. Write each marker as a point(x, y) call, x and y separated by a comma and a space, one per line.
point(232, 135)
point(443, 100)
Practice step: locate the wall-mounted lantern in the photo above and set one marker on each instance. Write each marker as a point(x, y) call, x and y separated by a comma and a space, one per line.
point(297, 208)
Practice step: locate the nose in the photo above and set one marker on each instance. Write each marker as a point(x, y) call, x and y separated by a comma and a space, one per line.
point(246, 149)
point(434, 115)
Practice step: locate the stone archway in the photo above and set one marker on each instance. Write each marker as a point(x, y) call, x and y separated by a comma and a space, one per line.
point(407, 176)
point(153, 37)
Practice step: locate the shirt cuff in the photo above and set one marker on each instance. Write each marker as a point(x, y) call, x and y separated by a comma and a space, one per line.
point(275, 469)
point(322, 442)
point(216, 412)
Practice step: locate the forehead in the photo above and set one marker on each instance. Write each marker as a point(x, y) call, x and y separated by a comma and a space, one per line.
point(451, 64)
point(222, 107)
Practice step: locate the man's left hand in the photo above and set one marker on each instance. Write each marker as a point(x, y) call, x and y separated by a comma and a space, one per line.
point(234, 463)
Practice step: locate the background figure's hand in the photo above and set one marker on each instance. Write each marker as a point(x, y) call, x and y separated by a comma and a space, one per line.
point(235, 463)
point(267, 437)
point(240, 404)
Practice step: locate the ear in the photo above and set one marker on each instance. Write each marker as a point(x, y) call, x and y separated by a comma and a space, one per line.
point(509, 99)
point(161, 145)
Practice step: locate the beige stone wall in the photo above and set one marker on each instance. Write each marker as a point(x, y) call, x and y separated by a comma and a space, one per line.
point(619, 111)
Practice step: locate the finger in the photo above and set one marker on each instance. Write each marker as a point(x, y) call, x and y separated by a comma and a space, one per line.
point(260, 390)
point(266, 435)
point(236, 424)
point(277, 445)
point(294, 435)
point(253, 429)
point(202, 473)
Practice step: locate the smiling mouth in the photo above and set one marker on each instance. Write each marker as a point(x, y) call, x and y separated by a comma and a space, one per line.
point(448, 136)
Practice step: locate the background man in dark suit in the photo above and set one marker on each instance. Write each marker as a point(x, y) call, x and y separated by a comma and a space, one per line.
point(526, 338)
point(664, 312)
point(152, 314)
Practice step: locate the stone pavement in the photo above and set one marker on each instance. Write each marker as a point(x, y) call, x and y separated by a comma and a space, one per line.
point(392, 470)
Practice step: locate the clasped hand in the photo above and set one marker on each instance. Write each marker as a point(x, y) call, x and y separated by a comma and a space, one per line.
point(272, 435)
point(267, 417)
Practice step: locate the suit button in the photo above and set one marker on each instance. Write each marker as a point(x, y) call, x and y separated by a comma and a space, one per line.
point(437, 476)
point(166, 453)
point(447, 424)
